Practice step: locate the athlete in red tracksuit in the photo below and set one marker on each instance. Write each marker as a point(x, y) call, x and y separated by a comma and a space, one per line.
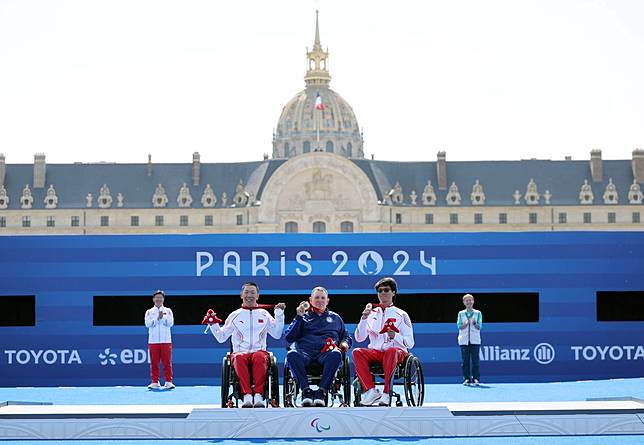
point(248, 327)
point(390, 336)
point(159, 319)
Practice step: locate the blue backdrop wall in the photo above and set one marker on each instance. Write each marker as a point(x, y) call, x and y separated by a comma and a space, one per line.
point(567, 342)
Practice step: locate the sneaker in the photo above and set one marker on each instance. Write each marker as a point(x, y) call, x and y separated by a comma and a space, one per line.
point(169, 385)
point(370, 397)
point(384, 400)
point(320, 397)
point(154, 385)
point(307, 397)
point(258, 401)
point(248, 401)
point(476, 382)
point(466, 382)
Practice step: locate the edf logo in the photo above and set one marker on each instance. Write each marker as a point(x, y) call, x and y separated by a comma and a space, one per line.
point(125, 357)
point(544, 353)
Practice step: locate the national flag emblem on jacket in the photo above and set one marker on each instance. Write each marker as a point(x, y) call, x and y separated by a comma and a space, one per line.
point(318, 102)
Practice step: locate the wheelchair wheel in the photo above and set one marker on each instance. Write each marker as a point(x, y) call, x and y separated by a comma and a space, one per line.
point(289, 388)
point(346, 382)
point(414, 382)
point(357, 390)
point(274, 384)
point(225, 380)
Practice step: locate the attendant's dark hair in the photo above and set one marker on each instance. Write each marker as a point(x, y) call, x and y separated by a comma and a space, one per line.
point(387, 281)
point(157, 292)
point(250, 283)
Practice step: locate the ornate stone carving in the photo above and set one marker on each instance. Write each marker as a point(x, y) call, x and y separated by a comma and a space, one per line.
point(586, 193)
point(26, 200)
point(610, 193)
point(477, 197)
point(396, 194)
point(104, 197)
point(532, 195)
point(319, 187)
point(453, 196)
point(547, 196)
point(184, 199)
point(517, 197)
point(120, 199)
point(635, 195)
point(241, 198)
point(159, 199)
point(429, 197)
point(88, 200)
point(208, 198)
point(4, 197)
point(51, 200)
point(413, 197)
point(224, 199)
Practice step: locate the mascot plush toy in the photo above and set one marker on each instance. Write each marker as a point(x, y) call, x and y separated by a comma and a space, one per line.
point(329, 345)
point(389, 324)
point(210, 318)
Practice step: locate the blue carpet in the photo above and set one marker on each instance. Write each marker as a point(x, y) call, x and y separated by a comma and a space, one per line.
point(497, 392)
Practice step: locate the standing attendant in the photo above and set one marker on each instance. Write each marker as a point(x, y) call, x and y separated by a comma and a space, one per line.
point(470, 322)
point(159, 319)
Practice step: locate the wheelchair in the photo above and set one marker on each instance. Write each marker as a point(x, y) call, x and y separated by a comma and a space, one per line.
point(231, 390)
point(340, 389)
point(409, 373)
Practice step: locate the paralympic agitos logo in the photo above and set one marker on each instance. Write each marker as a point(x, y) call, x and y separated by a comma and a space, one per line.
point(303, 262)
point(319, 427)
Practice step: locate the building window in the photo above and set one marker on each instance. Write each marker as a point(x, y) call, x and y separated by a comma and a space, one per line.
point(26, 221)
point(51, 221)
point(290, 227)
point(587, 218)
point(398, 218)
point(532, 218)
point(134, 221)
point(346, 226)
point(183, 220)
point(329, 147)
point(563, 218)
point(105, 221)
point(349, 150)
point(612, 218)
point(158, 220)
point(207, 220)
point(429, 218)
point(287, 150)
point(503, 218)
point(306, 147)
point(75, 221)
point(240, 220)
point(453, 218)
point(478, 218)
point(319, 227)
point(636, 217)
point(3, 221)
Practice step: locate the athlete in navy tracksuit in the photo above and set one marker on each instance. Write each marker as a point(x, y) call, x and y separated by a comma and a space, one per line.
point(308, 334)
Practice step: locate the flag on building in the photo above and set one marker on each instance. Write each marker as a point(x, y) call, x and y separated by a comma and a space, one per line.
point(318, 102)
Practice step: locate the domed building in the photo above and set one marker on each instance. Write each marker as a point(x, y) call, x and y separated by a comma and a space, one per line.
point(317, 118)
point(319, 181)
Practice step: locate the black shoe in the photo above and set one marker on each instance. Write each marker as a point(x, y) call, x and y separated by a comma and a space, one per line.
point(319, 399)
point(307, 397)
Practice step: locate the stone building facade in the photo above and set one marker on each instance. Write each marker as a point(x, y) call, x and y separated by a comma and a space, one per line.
point(318, 180)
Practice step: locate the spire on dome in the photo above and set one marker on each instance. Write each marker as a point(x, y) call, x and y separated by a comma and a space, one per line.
point(317, 72)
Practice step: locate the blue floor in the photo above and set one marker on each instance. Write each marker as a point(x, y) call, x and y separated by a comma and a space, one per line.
point(498, 392)
point(435, 393)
